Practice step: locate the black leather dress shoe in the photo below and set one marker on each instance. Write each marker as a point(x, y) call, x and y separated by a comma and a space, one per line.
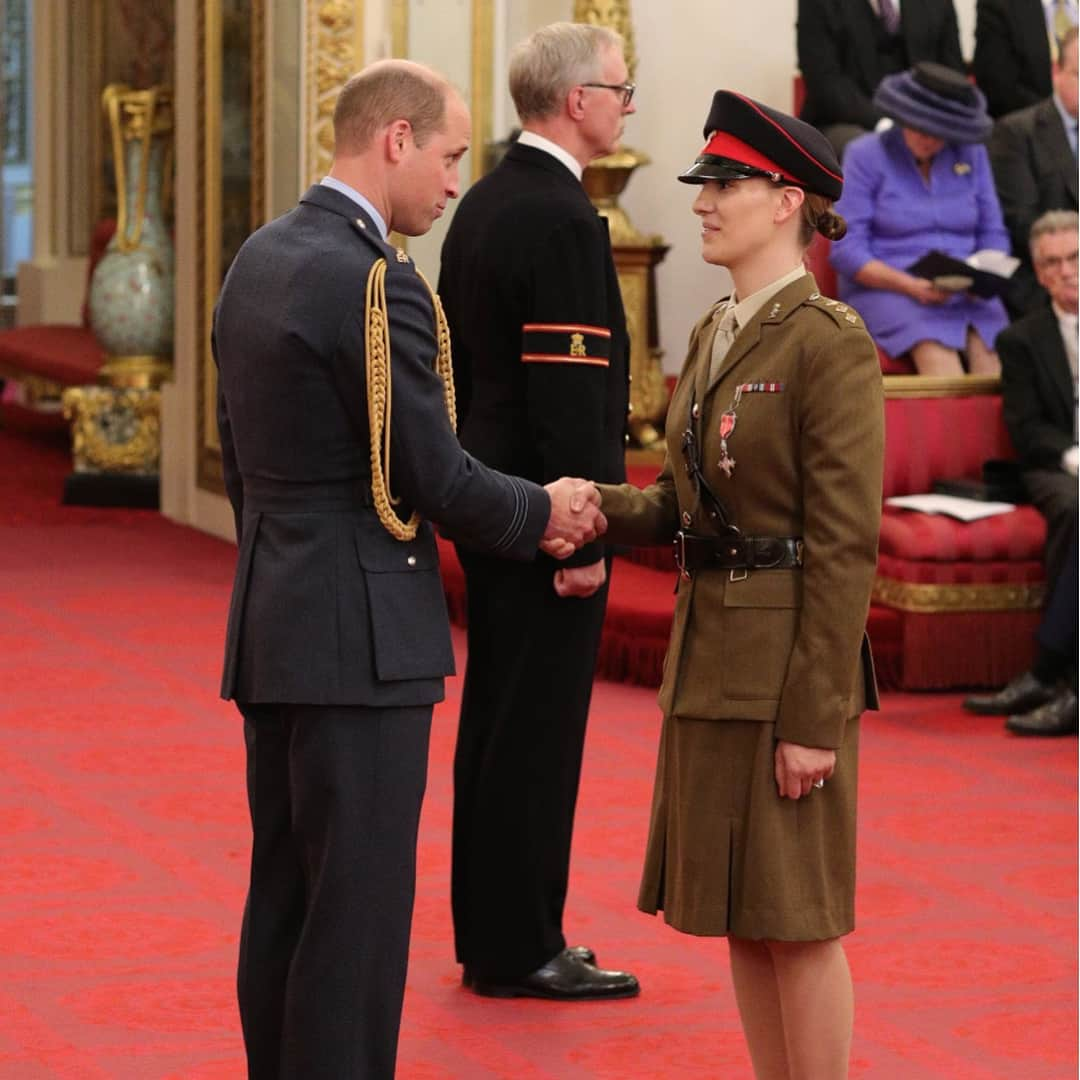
point(582, 952)
point(566, 977)
point(1022, 695)
point(1056, 717)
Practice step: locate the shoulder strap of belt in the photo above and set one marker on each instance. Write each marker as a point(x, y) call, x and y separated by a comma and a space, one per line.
point(691, 448)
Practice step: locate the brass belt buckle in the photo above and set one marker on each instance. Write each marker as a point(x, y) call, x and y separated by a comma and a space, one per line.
point(680, 553)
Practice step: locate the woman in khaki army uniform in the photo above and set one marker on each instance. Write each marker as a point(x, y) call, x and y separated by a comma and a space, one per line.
point(772, 493)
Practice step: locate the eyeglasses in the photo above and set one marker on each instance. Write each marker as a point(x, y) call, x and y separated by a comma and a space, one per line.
point(1058, 262)
point(626, 89)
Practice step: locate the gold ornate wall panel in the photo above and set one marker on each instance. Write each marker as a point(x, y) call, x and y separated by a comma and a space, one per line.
point(335, 51)
point(231, 77)
point(614, 14)
point(480, 92)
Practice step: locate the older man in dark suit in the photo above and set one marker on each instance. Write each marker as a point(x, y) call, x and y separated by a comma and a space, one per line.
point(846, 47)
point(338, 639)
point(1039, 381)
point(1033, 155)
point(540, 341)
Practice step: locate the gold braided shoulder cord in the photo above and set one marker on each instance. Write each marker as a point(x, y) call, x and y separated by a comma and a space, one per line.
point(379, 393)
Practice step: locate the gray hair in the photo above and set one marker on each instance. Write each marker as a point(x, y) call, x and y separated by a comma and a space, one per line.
point(1053, 221)
point(551, 60)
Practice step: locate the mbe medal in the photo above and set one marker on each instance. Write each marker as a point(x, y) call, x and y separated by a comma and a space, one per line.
point(727, 426)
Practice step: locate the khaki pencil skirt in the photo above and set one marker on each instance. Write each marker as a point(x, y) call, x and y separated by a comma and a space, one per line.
point(727, 855)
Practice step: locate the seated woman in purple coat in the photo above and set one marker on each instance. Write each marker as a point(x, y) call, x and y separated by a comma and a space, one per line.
point(923, 185)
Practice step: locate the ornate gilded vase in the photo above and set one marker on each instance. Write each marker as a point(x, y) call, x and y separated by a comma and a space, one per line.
point(131, 294)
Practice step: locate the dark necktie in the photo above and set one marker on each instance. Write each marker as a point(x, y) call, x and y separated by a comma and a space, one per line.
point(890, 16)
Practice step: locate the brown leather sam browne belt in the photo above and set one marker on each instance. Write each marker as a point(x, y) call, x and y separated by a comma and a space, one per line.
point(737, 552)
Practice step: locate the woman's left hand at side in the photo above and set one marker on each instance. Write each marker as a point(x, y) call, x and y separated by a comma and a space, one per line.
point(799, 769)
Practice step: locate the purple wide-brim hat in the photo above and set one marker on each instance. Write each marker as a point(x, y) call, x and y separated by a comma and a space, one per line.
point(936, 101)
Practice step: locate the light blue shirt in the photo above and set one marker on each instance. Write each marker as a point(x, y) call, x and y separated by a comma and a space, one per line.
point(364, 204)
point(1069, 122)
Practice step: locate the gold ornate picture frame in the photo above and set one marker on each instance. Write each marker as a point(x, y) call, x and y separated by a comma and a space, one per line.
point(231, 180)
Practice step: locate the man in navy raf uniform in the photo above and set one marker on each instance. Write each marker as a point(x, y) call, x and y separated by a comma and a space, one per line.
point(338, 640)
point(541, 367)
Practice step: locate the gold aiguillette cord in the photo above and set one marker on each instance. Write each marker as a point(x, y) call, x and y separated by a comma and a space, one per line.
point(379, 393)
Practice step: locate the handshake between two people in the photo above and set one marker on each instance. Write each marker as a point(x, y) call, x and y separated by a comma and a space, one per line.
point(575, 519)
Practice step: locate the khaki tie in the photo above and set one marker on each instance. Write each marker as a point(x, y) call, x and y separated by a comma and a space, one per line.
point(726, 329)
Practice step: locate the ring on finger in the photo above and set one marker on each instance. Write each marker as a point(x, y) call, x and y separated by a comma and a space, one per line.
point(819, 782)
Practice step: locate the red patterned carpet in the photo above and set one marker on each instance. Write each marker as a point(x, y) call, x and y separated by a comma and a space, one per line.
point(125, 840)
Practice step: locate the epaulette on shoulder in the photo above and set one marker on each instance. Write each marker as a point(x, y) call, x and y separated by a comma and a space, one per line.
point(842, 314)
point(394, 256)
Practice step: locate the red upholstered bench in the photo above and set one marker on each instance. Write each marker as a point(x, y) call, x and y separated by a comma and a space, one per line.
point(967, 594)
point(817, 262)
point(47, 357)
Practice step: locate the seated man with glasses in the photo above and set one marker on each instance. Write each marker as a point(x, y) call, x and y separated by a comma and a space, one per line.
point(1033, 155)
point(1039, 379)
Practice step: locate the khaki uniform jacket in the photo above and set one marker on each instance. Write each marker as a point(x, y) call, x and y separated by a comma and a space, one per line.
point(783, 646)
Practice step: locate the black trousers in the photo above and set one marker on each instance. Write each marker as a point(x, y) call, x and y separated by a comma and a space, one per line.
point(528, 682)
point(1054, 494)
point(335, 795)
point(1058, 629)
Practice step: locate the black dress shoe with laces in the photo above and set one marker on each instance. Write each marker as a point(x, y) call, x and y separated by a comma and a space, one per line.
point(1022, 695)
point(565, 977)
point(582, 952)
point(1056, 717)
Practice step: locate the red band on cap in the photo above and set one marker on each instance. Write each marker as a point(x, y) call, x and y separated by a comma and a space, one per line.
point(723, 144)
point(798, 146)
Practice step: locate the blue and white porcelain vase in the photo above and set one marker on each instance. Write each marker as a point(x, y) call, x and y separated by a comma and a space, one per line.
point(131, 293)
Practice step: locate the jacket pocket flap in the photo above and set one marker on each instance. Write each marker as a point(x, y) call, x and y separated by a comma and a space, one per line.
point(765, 589)
point(385, 555)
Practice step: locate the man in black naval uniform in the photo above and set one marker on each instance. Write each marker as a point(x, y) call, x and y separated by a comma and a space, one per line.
point(338, 640)
point(541, 365)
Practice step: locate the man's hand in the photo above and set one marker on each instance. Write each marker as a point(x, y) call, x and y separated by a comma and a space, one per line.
point(575, 517)
point(580, 580)
point(799, 767)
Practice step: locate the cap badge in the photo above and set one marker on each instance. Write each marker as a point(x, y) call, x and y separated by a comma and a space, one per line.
point(401, 256)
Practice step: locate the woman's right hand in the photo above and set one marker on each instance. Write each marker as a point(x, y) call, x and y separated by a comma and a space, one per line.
point(924, 291)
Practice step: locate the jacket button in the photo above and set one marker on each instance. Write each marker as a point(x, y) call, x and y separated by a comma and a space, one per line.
point(626, 439)
point(411, 560)
point(630, 409)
